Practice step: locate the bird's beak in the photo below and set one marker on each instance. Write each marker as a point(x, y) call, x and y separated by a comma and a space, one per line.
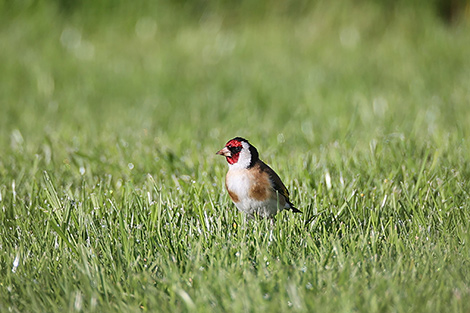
point(225, 152)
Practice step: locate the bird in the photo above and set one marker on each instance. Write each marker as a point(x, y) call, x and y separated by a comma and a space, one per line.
point(252, 185)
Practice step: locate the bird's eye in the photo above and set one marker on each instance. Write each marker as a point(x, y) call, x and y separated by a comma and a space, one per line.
point(235, 149)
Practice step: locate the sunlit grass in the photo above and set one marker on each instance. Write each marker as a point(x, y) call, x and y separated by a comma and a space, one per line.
point(112, 197)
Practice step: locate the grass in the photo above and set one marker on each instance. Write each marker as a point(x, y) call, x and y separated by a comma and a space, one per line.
point(112, 197)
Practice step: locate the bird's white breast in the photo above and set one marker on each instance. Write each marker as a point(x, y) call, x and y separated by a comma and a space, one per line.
point(239, 183)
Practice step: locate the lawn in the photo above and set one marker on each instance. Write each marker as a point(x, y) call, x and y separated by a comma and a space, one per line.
point(112, 198)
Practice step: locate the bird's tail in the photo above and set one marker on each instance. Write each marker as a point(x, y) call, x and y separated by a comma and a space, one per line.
point(293, 208)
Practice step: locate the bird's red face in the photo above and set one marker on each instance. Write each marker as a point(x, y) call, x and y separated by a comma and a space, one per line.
point(232, 151)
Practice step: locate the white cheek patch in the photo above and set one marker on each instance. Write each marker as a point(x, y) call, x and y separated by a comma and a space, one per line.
point(244, 159)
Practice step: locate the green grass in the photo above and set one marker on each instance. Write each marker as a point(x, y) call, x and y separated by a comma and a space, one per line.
point(112, 197)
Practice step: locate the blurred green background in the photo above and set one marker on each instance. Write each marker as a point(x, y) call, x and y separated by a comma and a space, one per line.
point(311, 71)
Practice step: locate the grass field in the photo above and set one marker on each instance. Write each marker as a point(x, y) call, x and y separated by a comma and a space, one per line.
point(112, 197)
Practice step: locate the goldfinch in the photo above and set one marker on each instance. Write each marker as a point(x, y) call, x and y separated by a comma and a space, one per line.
point(251, 184)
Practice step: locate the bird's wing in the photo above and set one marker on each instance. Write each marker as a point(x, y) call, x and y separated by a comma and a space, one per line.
point(276, 182)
